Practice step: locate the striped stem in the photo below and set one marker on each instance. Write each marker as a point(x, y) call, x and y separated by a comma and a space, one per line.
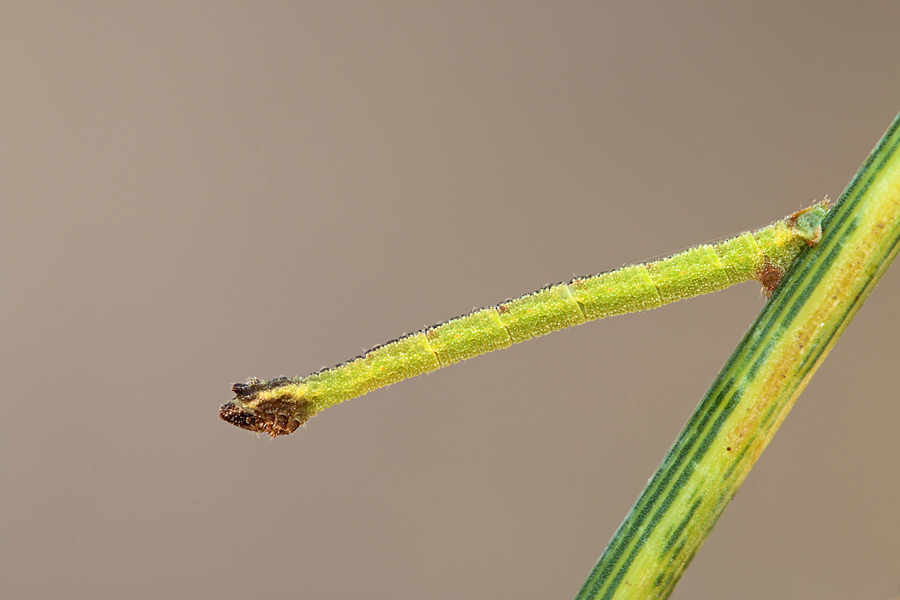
point(757, 387)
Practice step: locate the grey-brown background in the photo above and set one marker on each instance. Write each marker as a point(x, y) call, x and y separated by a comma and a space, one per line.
point(197, 193)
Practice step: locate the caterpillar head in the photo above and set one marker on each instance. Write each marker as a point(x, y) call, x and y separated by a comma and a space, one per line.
point(264, 407)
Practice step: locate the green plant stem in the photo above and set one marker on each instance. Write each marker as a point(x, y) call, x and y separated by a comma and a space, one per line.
point(759, 384)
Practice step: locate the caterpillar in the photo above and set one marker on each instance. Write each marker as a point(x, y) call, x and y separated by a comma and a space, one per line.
point(281, 405)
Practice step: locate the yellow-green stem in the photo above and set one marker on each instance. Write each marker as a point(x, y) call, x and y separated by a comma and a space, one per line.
point(757, 387)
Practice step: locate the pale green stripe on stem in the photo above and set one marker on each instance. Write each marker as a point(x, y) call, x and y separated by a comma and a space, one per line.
point(757, 387)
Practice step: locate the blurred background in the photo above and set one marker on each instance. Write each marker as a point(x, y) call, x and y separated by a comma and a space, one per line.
point(194, 193)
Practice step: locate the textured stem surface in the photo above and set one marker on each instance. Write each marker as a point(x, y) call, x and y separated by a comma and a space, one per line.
point(756, 389)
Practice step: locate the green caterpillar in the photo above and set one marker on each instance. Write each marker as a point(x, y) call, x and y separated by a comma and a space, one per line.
point(281, 405)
